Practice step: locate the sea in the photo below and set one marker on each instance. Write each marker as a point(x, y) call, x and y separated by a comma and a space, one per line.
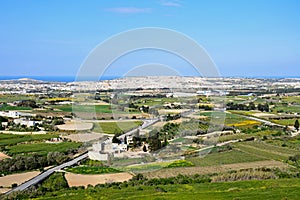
point(73, 78)
point(58, 78)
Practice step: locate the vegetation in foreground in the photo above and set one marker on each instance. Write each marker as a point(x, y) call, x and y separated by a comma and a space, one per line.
point(180, 187)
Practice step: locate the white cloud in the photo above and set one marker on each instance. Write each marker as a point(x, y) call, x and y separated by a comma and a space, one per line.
point(170, 3)
point(129, 10)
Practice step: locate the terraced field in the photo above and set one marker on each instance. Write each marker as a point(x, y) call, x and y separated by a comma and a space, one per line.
point(266, 151)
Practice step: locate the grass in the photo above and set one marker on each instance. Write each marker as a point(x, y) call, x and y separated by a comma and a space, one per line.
point(115, 127)
point(41, 148)
point(231, 119)
point(285, 122)
point(247, 190)
point(267, 151)
point(5, 108)
point(180, 163)
point(229, 157)
point(108, 109)
point(84, 108)
point(92, 170)
point(139, 168)
point(10, 139)
point(284, 108)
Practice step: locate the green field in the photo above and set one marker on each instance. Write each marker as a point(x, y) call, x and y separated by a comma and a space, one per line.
point(145, 167)
point(41, 148)
point(231, 119)
point(248, 190)
point(229, 157)
point(285, 122)
point(10, 139)
point(92, 170)
point(115, 127)
point(84, 108)
point(6, 108)
point(266, 151)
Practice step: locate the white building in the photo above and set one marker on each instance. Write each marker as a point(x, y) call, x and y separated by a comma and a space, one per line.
point(104, 150)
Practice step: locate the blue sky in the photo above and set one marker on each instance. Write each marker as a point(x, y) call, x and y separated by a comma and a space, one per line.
point(244, 38)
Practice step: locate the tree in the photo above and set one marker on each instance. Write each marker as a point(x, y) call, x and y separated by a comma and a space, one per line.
point(296, 125)
point(116, 140)
point(125, 139)
point(144, 148)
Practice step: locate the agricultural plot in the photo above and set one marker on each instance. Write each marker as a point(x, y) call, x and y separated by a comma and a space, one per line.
point(6, 108)
point(115, 127)
point(231, 119)
point(8, 180)
point(208, 170)
point(266, 151)
point(285, 122)
point(94, 179)
point(41, 148)
point(10, 139)
point(139, 168)
point(229, 157)
point(92, 170)
point(85, 108)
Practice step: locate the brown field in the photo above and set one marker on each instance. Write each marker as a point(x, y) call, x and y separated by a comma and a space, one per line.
point(171, 111)
point(85, 180)
point(6, 181)
point(84, 137)
point(263, 115)
point(3, 156)
point(172, 172)
point(4, 190)
point(75, 126)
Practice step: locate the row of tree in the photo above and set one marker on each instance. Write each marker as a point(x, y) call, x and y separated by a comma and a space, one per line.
point(24, 163)
point(247, 107)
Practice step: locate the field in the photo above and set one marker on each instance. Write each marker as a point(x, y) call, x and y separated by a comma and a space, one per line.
point(266, 189)
point(115, 127)
point(8, 180)
point(266, 151)
point(84, 108)
point(6, 108)
point(10, 139)
point(76, 126)
point(231, 119)
point(172, 172)
point(92, 170)
point(41, 148)
point(88, 179)
point(285, 122)
point(229, 157)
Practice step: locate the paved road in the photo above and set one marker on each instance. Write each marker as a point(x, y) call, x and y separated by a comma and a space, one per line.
point(47, 173)
point(147, 123)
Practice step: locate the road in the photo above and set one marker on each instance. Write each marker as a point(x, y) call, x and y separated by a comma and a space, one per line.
point(44, 175)
point(47, 173)
point(146, 123)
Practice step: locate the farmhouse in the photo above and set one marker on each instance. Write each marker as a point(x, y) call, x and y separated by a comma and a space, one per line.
point(104, 150)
